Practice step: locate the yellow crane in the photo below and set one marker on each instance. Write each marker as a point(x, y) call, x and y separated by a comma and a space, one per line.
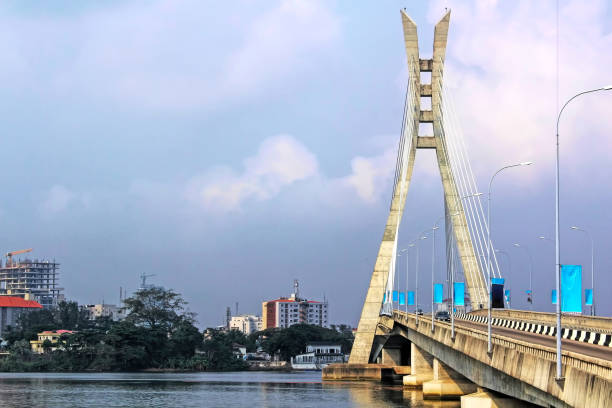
point(9, 256)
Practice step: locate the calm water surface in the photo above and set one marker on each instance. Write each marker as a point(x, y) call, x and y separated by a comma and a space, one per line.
point(243, 389)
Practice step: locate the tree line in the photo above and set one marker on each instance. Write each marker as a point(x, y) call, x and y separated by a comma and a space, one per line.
point(157, 333)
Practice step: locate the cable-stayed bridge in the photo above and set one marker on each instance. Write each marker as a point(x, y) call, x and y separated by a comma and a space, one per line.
point(517, 357)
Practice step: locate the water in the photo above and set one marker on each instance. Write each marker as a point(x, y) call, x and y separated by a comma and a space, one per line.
point(252, 389)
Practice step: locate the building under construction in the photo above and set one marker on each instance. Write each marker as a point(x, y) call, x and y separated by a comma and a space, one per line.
point(30, 279)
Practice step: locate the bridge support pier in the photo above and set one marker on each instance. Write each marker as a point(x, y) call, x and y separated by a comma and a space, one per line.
point(392, 356)
point(487, 399)
point(421, 367)
point(447, 383)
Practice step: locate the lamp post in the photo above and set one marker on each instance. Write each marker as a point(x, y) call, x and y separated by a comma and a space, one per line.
point(517, 245)
point(416, 277)
point(557, 240)
point(592, 266)
point(407, 259)
point(489, 344)
point(433, 262)
point(501, 251)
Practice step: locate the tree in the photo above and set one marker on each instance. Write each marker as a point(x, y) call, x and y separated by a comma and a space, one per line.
point(184, 340)
point(69, 317)
point(157, 309)
point(218, 349)
point(291, 341)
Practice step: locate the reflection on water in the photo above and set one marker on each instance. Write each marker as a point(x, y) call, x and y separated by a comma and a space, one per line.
point(201, 390)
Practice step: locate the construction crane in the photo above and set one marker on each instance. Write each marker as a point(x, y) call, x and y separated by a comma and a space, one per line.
point(9, 256)
point(143, 280)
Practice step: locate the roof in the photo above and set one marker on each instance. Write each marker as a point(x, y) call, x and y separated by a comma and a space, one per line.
point(292, 300)
point(323, 343)
point(13, 301)
point(57, 332)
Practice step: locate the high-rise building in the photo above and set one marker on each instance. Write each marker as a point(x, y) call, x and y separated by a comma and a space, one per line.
point(31, 279)
point(285, 312)
point(246, 323)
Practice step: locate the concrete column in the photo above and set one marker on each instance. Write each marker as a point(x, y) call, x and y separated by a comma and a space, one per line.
point(421, 367)
point(392, 356)
point(486, 399)
point(447, 383)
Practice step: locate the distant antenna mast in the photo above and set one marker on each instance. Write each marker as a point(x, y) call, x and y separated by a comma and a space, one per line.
point(296, 288)
point(228, 317)
point(236, 308)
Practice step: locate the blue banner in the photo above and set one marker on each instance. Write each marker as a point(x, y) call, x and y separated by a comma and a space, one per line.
point(410, 298)
point(588, 297)
point(438, 289)
point(553, 296)
point(507, 294)
point(497, 281)
point(459, 293)
point(395, 298)
point(384, 297)
point(402, 298)
point(571, 288)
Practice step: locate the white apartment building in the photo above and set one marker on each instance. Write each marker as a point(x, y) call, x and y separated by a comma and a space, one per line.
point(246, 323)
point(103, 310)
point(285, 312)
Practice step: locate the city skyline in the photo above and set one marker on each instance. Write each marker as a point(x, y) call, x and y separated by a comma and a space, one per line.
point(270, 157)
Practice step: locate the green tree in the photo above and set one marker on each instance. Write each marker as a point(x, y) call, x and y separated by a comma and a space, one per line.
point(157, 308)
point(291, 341)
point(218, 350)
point(69, 316)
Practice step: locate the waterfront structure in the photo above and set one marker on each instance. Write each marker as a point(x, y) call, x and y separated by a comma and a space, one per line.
point(246, 323)
point(318, 355)
point(31, 280)
point(51, 336)
point(10, 309)
point(115, 312)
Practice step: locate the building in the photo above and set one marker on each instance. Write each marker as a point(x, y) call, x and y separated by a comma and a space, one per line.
point(104, 310)
point(285, 312)
point(10, 309)
point(52, 336)
point(318, 355)
point(31, 280)
point(246, 323)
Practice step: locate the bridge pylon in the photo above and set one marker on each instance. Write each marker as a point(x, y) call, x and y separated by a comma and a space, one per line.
point(365, 348)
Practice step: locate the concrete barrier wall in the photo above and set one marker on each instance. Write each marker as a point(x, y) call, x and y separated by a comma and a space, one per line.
point(582, 335)
point(592, 323)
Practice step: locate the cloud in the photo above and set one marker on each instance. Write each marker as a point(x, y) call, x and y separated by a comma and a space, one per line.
point(280, 161)
point(160, 55)
point(58, 198)
point(501, 61)
point(370, 176)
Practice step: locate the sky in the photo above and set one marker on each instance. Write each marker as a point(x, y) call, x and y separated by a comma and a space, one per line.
point(232, 147)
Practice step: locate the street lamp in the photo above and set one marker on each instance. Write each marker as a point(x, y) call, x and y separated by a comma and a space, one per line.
point(517, 245)
point(433, 260)
point(557, 240)
point(501, 251)
point(416, 277)
point(489, 345)
point(592, 267)
point(410, 245)
point(406, 300)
